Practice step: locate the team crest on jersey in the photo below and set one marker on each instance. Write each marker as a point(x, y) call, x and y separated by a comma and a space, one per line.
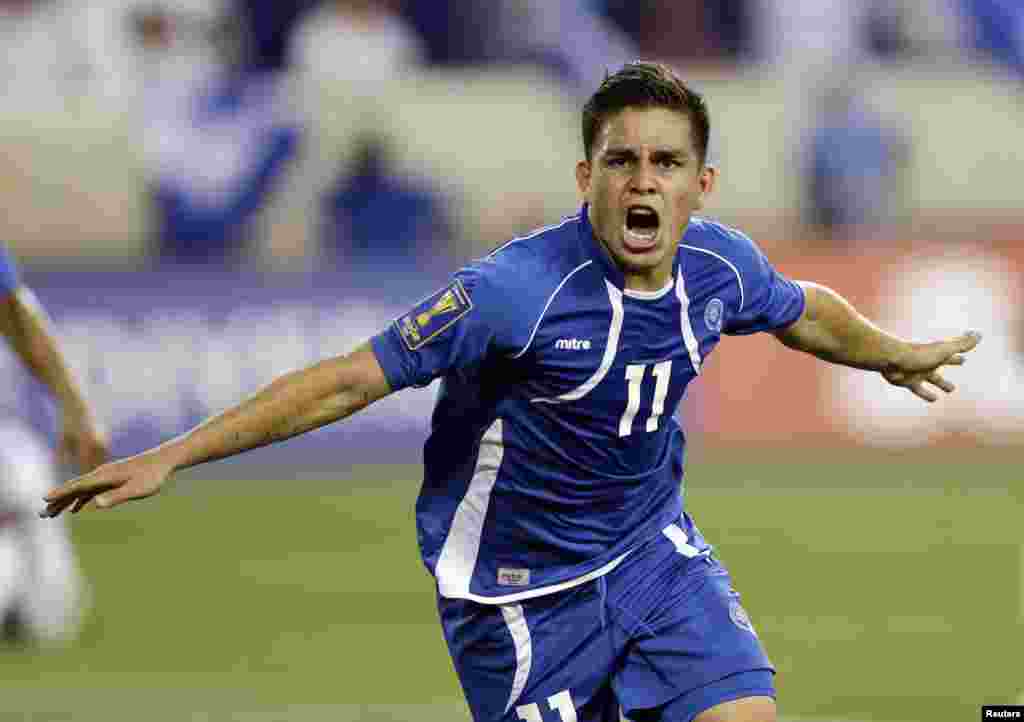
point(740, 617)
point(433, 315)
point(713, 313)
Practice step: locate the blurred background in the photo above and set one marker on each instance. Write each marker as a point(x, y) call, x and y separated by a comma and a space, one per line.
point(205, 194)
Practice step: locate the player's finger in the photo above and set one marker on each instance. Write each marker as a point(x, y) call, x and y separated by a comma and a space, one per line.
point(936, 380)
point(80, 504)
point(62, 497)
point(967, 341)
point(958, 344)
point(921, 392)
point(942, 353)
point(956, 360)
point(54, 508)
point(59, 502)
point(59, 493)
point(115, 497)
point(73, 487)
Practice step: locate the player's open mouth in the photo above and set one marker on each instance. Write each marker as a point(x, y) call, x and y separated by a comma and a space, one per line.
point(640, 232)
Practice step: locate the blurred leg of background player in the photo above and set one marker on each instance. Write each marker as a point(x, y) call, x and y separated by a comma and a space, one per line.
point(41, 588)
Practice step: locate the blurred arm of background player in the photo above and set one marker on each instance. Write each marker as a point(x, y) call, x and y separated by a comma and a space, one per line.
point(294, 403)
point(25, 326)
point(831, 329)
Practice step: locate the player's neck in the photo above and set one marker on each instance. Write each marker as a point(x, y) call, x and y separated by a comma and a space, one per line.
point(648, 280)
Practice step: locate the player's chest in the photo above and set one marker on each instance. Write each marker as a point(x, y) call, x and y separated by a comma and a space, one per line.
point(612, 348)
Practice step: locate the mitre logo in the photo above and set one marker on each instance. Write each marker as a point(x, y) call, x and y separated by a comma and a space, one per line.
point(573, 344)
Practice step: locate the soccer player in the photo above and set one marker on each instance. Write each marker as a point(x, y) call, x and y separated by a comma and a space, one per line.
point(40, 584)
point(571, 581)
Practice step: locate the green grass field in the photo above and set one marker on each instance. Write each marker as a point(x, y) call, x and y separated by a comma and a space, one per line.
point(886, 588)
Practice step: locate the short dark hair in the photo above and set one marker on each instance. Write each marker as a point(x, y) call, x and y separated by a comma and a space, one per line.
point(645, 85)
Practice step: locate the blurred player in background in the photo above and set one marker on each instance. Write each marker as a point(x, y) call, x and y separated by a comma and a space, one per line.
point(571, 582)
point(41, 590)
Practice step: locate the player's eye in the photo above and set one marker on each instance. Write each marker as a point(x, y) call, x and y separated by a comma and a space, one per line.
point(615, 162)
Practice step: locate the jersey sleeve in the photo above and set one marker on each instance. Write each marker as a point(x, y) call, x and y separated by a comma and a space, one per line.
point(769, 300)
point(456, 327)
point(8, 273)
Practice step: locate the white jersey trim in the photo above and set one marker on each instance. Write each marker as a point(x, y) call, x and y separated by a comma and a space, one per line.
point(537, 232)
point(614, 329)
point(726, 261)
point(461, 548)
point(674, 533)
point(548, 305)
point(515, 620)
point(692, 346)
point(648, 295)
point(541, 591)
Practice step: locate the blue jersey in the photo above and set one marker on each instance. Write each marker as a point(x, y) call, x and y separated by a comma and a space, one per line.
point(8, 273)
point(553, 448)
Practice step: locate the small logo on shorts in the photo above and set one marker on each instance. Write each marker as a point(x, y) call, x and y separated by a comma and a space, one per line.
point(713, 314)
point(740, 617)
point(514, 577)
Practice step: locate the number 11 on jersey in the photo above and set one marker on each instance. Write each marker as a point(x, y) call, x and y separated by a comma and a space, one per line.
point(634, 377)
point(561, 702)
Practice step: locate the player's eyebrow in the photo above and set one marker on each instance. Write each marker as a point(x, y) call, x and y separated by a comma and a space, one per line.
point(619, 152)
point(670, 154)
point(662, 152)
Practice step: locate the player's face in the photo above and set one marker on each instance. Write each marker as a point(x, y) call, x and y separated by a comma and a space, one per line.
point(643, 182)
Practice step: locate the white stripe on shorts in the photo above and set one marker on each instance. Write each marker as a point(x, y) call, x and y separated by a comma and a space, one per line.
point(678, 537)
point(515, 618)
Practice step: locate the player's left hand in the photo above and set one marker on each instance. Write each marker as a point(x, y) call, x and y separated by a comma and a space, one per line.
point(920, 365)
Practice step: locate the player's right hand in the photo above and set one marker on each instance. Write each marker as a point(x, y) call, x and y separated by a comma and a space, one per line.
point(921, 364)
point(136, 477)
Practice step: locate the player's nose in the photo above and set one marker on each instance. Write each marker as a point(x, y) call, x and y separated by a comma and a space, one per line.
point(642, 180)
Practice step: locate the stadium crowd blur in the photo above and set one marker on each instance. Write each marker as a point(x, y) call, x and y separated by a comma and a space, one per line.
point(344, 131)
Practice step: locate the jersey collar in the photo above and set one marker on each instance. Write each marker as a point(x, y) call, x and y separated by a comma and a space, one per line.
point(594, 249)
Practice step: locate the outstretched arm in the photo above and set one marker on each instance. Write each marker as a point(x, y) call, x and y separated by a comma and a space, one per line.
point(832, 329)
point(25, 326)
point(293, 404)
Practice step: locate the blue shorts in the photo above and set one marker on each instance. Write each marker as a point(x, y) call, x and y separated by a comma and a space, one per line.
point(660, 637)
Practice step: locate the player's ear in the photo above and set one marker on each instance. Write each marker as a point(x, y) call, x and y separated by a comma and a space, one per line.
point(583, 169)
point(708, 179)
